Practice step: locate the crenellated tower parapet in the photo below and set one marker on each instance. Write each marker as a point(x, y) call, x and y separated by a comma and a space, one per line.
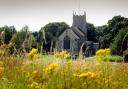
point(79, 21)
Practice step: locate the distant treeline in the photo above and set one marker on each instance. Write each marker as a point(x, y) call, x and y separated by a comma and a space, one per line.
point(114, 35)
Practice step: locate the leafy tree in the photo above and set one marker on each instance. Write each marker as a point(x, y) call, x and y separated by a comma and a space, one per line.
point(91, 32)
point(35, 35)
point(99, 32)
point(119, 45)
point(51, 32)
point(40, 40)
point(19, 38)
point(1, 30)
point(111, 30)
point(104, 41)
point(7, 33)
point(29, 42)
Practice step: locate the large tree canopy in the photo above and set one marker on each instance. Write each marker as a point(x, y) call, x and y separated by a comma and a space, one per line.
point(111, 30)
point(19, 38)
point(91, 32)
point(120, 42)
point(51, 32)
point(110, 35)
point(7, 33)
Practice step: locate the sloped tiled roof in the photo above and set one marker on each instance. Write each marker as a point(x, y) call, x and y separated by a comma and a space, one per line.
point(78, 32)
point(69, 32)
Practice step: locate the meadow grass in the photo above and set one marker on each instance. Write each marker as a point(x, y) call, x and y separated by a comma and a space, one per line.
point(49, 72)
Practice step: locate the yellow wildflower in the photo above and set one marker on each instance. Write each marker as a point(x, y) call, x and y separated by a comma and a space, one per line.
point(63, 55)
point(101, 53)
point(87, 74)
point(67, 56)
point(57, 55)
point(51, 68)
point(33, 85)
point(76, 75)
point(33, 54)
point(83, 75)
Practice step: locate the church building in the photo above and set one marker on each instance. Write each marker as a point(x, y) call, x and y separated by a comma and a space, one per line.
point(75, 39)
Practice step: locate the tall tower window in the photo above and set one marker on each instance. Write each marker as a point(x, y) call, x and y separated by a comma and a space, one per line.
point(66, 43)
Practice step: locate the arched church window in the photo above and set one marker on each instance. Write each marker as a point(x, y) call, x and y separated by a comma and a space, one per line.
point(66, 42)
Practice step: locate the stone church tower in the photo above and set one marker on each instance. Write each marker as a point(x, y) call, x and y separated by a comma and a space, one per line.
point(79, 21)
point(73, 38)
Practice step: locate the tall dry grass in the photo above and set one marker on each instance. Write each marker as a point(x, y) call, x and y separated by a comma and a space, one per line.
point(62, 74)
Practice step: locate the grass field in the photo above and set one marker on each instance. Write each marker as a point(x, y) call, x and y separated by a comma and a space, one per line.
point(49, 72)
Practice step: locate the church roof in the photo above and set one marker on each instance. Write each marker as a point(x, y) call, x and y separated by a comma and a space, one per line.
point(69, 32)
point(78, 32)
point(75, 31)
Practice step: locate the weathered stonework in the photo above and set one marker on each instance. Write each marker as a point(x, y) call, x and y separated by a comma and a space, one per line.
point(76, 37)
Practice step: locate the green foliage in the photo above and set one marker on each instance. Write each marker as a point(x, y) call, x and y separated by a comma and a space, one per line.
point(91, 32)
point(51, 32)
point(21, 39)
point(7, 33)
point(104, 41)
point(111, 30)
point(113, 58)
point(62, 74)
point(100, 32)
point(55, 28)
point(40, 40)
point(118, 44)
point(25, 40)
point(126, 51)
point(107, 35)
point(29, 41)
point(116, 23)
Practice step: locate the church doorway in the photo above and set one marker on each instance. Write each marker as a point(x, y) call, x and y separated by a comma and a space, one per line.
point(66, 43)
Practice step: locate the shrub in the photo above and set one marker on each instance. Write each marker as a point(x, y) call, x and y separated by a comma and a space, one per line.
point(101, 53)
point(113, 58)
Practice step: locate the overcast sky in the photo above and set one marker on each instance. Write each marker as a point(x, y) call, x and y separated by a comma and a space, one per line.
point(37, 13)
